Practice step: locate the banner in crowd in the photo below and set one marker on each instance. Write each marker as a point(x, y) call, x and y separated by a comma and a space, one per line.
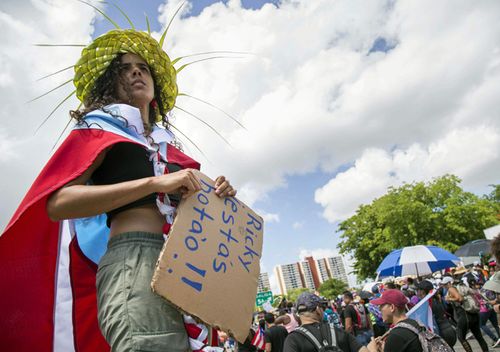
point(422, 311)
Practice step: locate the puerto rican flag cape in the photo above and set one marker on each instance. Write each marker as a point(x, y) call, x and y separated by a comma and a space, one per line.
point(47, 269)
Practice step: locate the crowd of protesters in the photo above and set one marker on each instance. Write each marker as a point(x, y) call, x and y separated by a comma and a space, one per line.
point(463, 302)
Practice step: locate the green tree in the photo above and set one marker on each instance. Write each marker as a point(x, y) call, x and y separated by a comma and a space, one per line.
point(294, 293)
point(495, 194)
point(277, 300)
point(438, 213)
point(332, 288)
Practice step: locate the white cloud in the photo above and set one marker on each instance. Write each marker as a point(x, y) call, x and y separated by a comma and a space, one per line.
point(312, 96)
point(7, 147)
point(317, 253)
point(469, 153)
point(268, 217)
point(22, 152)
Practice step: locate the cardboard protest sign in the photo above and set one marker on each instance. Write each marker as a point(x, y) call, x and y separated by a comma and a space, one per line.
point(209, 266)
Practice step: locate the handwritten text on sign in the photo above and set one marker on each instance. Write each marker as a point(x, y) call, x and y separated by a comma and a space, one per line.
point(213, 252)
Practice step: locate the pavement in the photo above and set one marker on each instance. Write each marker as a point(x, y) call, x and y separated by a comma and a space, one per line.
point(475, 346)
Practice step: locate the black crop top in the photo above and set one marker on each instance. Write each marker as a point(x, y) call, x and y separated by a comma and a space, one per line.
point(126, 162)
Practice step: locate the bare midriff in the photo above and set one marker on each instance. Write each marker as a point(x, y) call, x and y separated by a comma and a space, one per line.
point(145, 218)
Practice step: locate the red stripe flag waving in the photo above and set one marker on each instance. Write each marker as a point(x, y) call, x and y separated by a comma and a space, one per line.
point(258, 339)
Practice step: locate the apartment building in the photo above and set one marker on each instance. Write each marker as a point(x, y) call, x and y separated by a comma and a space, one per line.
point(310, 273)
point(264, 284)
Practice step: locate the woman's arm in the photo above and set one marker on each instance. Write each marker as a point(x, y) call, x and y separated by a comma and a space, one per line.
point(76, 199)
point(282, 319)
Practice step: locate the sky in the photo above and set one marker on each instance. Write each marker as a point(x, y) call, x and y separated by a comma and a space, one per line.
point(339, 99)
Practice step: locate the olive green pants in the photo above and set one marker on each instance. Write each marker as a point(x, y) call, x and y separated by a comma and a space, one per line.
point(132, 317)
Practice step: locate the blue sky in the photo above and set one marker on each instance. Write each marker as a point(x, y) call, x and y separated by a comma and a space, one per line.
point(135, 11)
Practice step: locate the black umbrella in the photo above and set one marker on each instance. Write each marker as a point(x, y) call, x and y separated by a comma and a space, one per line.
point(473, 248)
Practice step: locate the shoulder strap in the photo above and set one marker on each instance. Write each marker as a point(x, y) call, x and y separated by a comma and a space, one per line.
point(407, 326)
point(309, 336)
point(420, 336)
point(334, 336)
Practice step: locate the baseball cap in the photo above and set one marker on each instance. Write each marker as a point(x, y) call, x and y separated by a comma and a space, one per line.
point(391, 296)
point(447, 280)
point(308, 301)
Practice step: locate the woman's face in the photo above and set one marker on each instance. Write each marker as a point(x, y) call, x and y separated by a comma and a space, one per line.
point(135, 86)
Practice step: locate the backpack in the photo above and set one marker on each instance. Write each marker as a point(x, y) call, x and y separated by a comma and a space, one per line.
point(430, 341)
point(362, 317)
point(328, 344)
point(470, 302)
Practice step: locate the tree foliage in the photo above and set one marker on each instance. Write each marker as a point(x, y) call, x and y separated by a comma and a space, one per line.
point(294, 293)
point(438, 213)
point(332, 288)
point(277, 300)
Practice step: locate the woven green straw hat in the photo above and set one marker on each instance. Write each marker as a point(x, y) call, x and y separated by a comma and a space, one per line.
point(98, 55)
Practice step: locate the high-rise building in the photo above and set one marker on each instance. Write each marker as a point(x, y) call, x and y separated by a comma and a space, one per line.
point(323, 272)
point(264, 284)
point(307, 275)
point(337, 268)
point(310, 273)
point(288, 277)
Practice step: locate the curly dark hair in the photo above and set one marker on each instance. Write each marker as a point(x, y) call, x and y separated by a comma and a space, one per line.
point(105, 92)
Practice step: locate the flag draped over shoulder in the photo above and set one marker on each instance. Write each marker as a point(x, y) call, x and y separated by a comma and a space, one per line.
point(48, 295)
point(422, 311)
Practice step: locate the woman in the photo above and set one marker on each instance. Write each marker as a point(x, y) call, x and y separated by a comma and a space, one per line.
point(445, 329)
point(465, 320)
point(486, 313)
point(117, 162)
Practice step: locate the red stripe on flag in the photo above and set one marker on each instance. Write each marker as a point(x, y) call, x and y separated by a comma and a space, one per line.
point(87, 335)
point(29, 248)
point(28, 283)
point(258, 339)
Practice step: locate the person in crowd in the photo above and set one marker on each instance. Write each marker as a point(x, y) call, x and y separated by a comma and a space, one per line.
point(356, 319)
point(379, 327)
point(289, 320)
point(390, 286)
point(331, 316)
point(310, 310)
point(495, 249)
point(260, 320)
point(444, 327)
point(482, 273)
point(465, 320)
point(491, 268)
point(393, 308)
point(247, 346)
point(486, 313)
point(274, 335)
point(411, 294)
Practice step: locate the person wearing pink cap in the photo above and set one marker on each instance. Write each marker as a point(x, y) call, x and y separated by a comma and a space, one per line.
point(393, 308)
